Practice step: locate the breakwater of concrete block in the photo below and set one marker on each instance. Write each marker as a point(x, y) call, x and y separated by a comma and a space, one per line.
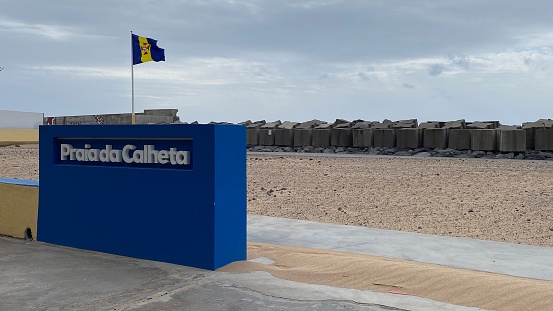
point(459, 138)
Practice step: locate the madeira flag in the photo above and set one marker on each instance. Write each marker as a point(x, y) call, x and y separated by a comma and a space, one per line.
point(145, 50)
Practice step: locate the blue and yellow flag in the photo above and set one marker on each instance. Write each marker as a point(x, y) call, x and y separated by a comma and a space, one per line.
point(145, 50)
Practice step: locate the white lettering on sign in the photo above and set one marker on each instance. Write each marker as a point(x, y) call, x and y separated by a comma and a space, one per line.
point(129, 154)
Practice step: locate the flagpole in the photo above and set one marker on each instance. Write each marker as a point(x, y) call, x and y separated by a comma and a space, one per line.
point(132, 83)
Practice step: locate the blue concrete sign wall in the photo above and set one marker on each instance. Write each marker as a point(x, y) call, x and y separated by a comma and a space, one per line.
point(173, 193)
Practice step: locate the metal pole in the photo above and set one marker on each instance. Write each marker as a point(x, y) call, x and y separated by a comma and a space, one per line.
point(132, 82)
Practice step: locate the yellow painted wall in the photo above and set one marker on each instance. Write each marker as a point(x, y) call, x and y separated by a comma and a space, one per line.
point(17, 137)
point(18, 210)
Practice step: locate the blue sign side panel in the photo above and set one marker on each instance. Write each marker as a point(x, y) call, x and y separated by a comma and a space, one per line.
point(230, 194)
point(150, 213)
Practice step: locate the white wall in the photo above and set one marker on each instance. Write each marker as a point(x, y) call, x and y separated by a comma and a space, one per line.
point(20, 120)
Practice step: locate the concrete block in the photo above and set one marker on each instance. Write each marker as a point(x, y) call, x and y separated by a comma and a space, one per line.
point(530, 128)
point(508, 127)
point(310, 124)
point(324, 126)
point(459, 124)
point(321, 135)
point(409, 138)
point(435, 138)
point(495, 123)
point(378, 125)
point(303, 137)
point(341, 121)
point(430, 125)
point(266, 137)
point(546, 122)
point(284, 137)
point(153, 119)
point(541, 123)
point(530, 138)
point(526, 125)
point(267, 133)
point(512, 140)
point(252, 134)
point(288, 125)
point(284, 134)
point(384, 138)
point(440, 123)
point(480, 125)
point(484, 140)
point(459, 139)
point(361, 125)
point(303, 133)
point(362, 137)
point(245, 123)
point(271, 125)
point(163, 112)
point(341, 135)
point(411, 123)
point(544, 139)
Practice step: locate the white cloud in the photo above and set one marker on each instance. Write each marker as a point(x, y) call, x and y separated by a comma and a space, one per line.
point(50, 31)
point(198, 71)
point(312, 4)
point(536, 39)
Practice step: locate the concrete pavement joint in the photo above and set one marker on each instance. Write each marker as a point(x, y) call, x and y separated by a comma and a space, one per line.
point(159, 296)
point(236, 286)
point(345, 246)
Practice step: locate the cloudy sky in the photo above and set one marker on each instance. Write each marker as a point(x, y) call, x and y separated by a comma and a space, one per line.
point(283, 59)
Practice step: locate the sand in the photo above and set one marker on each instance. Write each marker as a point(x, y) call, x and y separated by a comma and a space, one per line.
point(456, 286)
point(498, 200)
point(19, 162)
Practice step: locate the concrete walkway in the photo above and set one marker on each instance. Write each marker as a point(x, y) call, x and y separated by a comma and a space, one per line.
point(497, 257)
point(40, 276)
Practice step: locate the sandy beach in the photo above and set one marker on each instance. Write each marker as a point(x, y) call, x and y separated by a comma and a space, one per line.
point(498, 200)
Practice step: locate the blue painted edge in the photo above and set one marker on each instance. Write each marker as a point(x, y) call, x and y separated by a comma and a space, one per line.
point(19, 182)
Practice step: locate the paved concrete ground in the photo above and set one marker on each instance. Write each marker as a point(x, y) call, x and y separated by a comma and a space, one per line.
point(39, 276)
